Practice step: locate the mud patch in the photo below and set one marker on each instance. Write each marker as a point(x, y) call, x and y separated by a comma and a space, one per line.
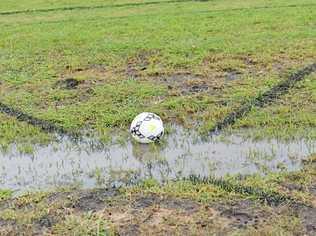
point(180, 204)
point(69, 83)
point(156, 214)
point(7, 227)
point(93, 200)
point(140, 62)
point(84, 78)
point(56, 197)
point(162, 215)
point(312, 190)
point(129, 230)
point(232, 66)
point(82, 83)
point(12, 227)
point(47, 221)
point(146, 201)
point(232, 75)
point(186, 84)
point(57, 206)
point(243, 214)
point(307, 215)
point(165, 202)
point(6, 222)
point(292, 186)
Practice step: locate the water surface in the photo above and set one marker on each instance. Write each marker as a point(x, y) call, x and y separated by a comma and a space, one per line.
point(180, 155)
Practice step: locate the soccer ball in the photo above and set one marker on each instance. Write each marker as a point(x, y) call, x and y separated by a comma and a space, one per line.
point(147, 128)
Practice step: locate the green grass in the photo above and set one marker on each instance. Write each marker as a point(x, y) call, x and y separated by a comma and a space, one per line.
point(23, 135)
point(5, 194)
point(118, 56)
point(42, 4)
point(201, 38)
point(289, 116)
point(183, 189)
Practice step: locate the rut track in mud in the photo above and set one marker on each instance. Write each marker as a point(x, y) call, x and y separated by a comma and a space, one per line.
point(28, 11)
point(95, 19)
point(44, 125)
point(96, 7)
point(270, 197)
point(265, 98)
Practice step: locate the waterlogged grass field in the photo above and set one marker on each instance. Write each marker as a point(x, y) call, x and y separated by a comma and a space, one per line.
point(224, 52)
point(92, 66)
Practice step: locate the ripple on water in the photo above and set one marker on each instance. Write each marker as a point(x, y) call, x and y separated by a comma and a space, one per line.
point(181, 155)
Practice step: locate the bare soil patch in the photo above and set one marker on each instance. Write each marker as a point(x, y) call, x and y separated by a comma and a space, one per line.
point(151, 214)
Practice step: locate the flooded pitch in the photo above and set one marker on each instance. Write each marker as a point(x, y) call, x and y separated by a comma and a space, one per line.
point(181, 155)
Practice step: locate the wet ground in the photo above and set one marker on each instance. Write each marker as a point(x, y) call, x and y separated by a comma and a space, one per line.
point(109, 212)
point(181, 155)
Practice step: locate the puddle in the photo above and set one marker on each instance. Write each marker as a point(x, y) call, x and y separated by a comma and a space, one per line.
point(181, 155)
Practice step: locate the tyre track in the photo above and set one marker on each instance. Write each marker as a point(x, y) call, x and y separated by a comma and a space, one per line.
point(265, 98)
point(30, 11)
point(96, 7)
point(44, 125)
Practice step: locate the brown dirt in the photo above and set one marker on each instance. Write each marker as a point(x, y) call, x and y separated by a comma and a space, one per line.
point(182, 83)
point(82, 83)
point(232, 75)
point(158, 215)
point(312, 189)
point(305, 214)
point(291, 187)
point(92, 201)
point(151, 214)
point(243, 214)
point(84, 78)
point(140, 62)
point(308, 218)
point(69, 83)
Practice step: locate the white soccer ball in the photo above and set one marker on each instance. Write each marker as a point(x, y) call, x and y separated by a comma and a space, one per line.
point(147, 128)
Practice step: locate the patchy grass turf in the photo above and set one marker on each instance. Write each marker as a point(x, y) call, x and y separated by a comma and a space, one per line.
point(187, 61)
point(176, 208)
point(24, 136)
point(95, 64)
point(294, 113)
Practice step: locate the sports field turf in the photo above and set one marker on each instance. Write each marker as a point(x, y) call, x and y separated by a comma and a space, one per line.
point(91, 66)
point(187, 61)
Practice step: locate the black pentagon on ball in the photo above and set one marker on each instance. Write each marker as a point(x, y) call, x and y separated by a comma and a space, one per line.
point(152, 138)
point(135, 130)
point(155, 138)
point(151, 116)
point(148, 117)
point(160, 135)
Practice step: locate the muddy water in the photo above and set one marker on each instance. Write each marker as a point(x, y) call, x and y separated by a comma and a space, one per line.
point(180, 155)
